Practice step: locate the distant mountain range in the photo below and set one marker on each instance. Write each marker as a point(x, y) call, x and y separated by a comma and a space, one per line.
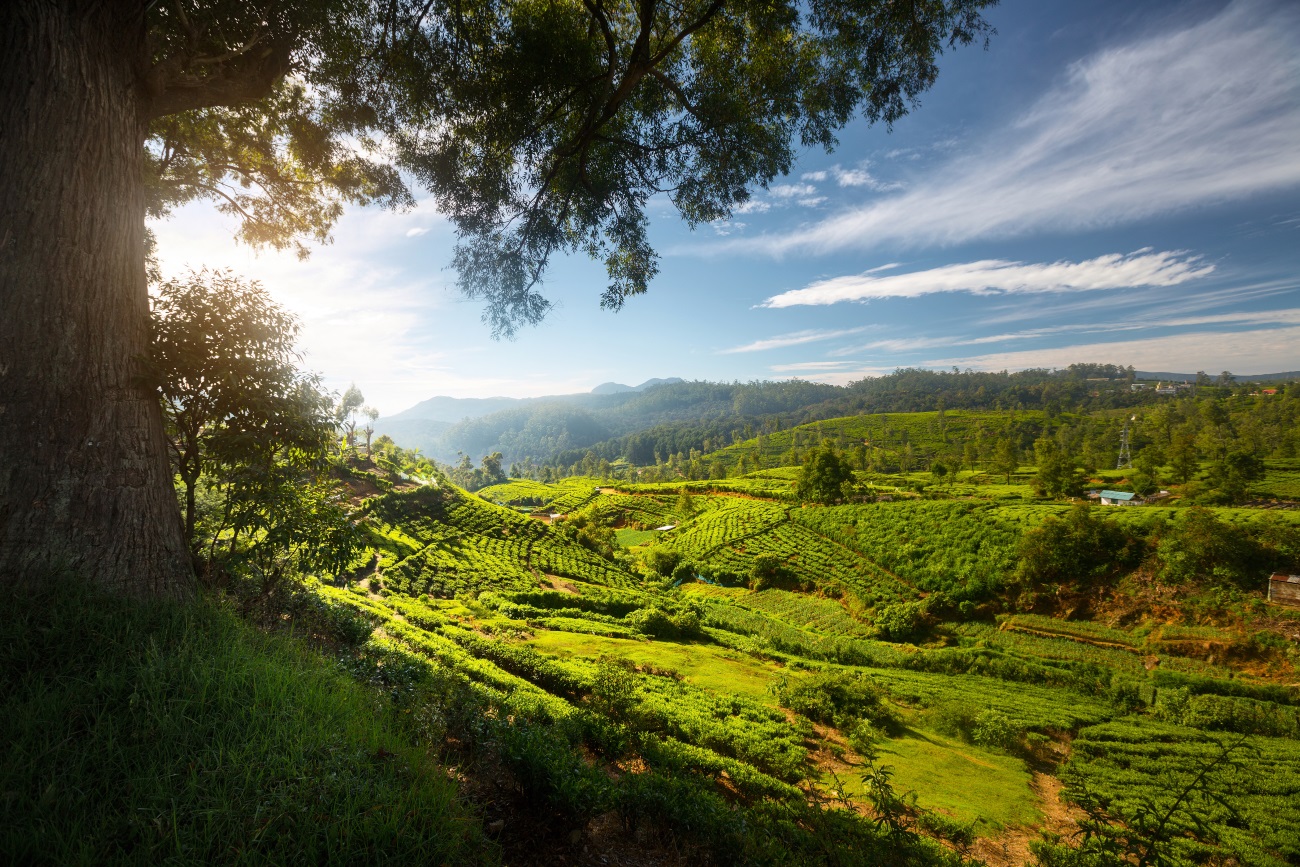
point(442, 426)
point(617, 387)
point(454, 409)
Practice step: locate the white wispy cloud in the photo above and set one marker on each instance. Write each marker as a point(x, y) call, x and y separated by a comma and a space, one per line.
point(726, 227)
point(1199, 115)
point(417, 231)
point(1267, 350)
point(860, 177)
point(1153, 321)
point(856, 177)
point(790, 191)
point(753, 206)
point(1113, 271)
point(807, 366)
point(795, 338)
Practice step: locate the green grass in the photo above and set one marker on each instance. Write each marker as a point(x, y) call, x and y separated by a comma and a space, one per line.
point(151, 733)
point(964, 782)
point(632, 538)
point(708, 667)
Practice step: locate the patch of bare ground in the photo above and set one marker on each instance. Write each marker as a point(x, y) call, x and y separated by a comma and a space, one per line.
point(830, 753)
point(1011, 847)
point(558, 583)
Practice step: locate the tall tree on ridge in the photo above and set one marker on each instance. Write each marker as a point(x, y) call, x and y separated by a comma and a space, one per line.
point(538, 128)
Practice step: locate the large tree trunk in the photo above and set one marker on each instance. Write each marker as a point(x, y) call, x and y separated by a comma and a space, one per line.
point(85, 486)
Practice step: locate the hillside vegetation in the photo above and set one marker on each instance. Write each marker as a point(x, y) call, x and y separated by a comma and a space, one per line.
point(938, 651)
point(916, 667)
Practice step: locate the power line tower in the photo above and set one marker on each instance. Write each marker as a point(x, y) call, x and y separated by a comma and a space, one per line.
point(1125, 459)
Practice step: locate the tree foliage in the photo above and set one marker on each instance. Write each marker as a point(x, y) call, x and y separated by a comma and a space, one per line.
point(244, 421)
point(1072, 551)
point(538, 128)
point(1057, 475)
point(224, 360)
point(824, 475)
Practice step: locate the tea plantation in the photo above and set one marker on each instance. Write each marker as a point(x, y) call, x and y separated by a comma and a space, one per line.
point(839, 684)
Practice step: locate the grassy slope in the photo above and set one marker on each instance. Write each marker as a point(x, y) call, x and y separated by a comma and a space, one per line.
point(147, 733)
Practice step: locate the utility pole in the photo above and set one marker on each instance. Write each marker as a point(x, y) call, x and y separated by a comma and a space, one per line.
point(1125, 459)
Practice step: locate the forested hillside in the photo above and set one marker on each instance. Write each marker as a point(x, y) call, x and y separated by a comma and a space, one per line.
point(644, 427)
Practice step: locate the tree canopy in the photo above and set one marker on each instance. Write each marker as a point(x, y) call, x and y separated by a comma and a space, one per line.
point(824, 475)
point(242, 419)
point(538, 128)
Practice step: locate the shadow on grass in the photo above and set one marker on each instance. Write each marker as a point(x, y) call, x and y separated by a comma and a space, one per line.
point(141, 732)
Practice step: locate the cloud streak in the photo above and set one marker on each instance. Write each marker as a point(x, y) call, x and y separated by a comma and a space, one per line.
point(914, 344)
point(1183, 119)
point(989, 276)
point(1257, 351)
point(796, 338)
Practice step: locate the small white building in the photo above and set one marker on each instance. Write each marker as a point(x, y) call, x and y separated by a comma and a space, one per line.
point(1119, 498)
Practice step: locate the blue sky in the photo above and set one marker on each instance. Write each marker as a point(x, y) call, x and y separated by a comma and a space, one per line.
point(1109, 182)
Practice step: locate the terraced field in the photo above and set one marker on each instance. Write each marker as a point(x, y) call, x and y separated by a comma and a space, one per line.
point(760, 694)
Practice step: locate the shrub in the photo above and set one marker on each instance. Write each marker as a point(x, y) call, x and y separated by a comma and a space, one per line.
point(902, 622)
point(992, 728)
point(1080, 548)
point(838, 698)
point(1200, 546)
point(865, 740)
point(661, 561)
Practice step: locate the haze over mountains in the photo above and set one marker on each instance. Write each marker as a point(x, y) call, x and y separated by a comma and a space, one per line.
point(454, 409)
point(442, 426)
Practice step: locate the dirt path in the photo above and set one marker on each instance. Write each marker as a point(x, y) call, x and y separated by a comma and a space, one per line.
point(1011, 848)
point(1008, 626)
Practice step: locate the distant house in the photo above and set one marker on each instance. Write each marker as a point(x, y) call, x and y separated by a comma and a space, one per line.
point(665, 528)
point(1139, 386)
point(1166, 389)
point(1284, 589)
point(1269, 391)
point(1119, 498)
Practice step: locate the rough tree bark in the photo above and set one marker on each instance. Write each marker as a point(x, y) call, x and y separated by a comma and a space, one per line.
point(85, 486)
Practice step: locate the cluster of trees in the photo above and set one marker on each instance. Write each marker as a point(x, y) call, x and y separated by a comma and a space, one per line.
point(648, 428)
point(757, 408)
point(1084, 550)
point(251, 436)
point(472, 478)
point(825, 477)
